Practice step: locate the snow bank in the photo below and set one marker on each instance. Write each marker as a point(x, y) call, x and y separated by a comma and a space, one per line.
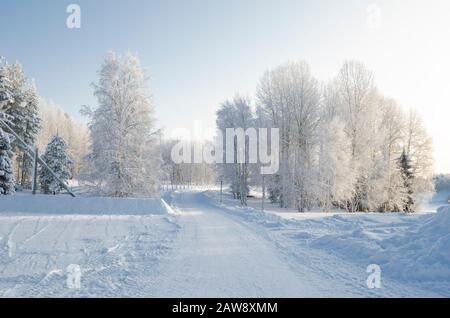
point(411, 248)
point(422, 253)
point(40, 204)
point(419, 253)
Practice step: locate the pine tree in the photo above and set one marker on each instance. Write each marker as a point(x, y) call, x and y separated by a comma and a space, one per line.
point(57, 158)
point(407, 174)
point(7, 180)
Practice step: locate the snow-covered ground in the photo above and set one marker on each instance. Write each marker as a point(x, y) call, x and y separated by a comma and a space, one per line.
point(25, 203)
point(201, 248)
point(119, 255)
point(410, 248)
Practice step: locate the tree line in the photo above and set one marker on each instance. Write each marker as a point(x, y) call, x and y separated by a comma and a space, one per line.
point(38, 123)
point(343, 144)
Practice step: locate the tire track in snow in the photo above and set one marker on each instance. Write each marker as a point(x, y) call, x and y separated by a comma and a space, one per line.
point(36, 232)
point(11, 245)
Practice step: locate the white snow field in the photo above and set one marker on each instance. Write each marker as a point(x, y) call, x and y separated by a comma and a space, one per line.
point(201, 248)
point(62, 204)
point(118, 253)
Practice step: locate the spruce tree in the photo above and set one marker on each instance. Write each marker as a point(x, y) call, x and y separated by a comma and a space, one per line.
point(57, 158)
point(24, 114)
point(5, 87)
point(7, 180)
point(407, 174)
point(32, 125)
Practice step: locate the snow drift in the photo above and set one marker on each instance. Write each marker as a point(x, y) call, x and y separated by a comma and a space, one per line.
point(421, 253)
point(413, 249)
point(40, 204)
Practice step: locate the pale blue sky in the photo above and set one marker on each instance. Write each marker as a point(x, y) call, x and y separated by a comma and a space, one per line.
point(200, 52)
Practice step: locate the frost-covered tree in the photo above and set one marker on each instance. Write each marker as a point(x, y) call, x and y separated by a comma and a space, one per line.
point(32, 126)
point(6, 96)
point(419, 148)
point(289, 96)
point(7, 180)
point(16, 108)
point(124, 160)
point(336, 177)
point(391, 137)
point(339, 145)
point(23, 111)
point(57, 158)
point(57, 122)
point(357, 99)
point(236, 114)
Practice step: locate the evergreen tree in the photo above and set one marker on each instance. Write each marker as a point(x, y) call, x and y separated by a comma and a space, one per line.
point(57, 158)
point(7, 180)
point(24, 114)
point(16, 107)
point(19, 102)
point(5, 87)
point(407, 173)
point(32, 126)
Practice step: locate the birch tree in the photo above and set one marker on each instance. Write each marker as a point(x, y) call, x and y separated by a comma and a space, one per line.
point(356, 101)
point(419, 149)
point(124, 160)
point(231, 115)
point(290, 97)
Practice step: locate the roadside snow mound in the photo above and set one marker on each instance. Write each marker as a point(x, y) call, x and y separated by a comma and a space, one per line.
point(421, 253)
point(41, 204)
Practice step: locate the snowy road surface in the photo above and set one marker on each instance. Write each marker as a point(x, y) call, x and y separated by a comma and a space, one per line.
point(221, 254)
point(202, 251)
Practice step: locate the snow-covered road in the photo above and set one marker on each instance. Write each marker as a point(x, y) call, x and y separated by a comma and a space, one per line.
point(217, 256)
point(220, 254)
point(204, 250)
